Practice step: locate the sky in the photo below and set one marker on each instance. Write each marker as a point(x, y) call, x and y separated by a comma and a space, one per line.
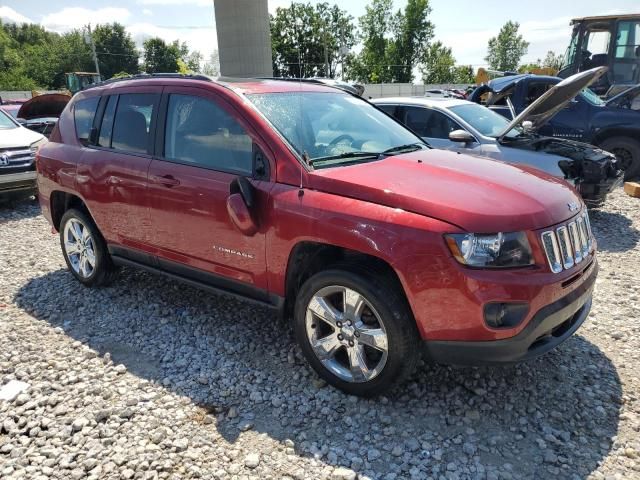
point(463, 25)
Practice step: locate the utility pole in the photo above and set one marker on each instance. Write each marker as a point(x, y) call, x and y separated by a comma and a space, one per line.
point(326, 55)
point(89, 39)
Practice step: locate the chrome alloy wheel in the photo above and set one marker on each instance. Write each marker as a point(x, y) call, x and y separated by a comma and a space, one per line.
point(79, 247)
point(346, 334)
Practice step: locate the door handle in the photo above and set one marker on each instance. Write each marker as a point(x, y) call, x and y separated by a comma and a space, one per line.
point(166, 180)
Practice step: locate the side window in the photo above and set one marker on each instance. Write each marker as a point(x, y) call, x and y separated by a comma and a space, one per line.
point(106, 128)
point(534, 91)
point(429, 123)
point(628, 40)
point(201, 133)
point(388, 109)
point(83, 113)
point(132, 122)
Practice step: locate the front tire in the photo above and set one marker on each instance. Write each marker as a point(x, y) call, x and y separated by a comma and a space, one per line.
point(356, 329)
point(627, 151)
point(84, 249)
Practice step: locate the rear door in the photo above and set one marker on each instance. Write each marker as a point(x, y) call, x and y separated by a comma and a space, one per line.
point(112, 175)
point(203, 145)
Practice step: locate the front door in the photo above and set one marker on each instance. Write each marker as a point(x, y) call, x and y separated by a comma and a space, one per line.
point(203, 146)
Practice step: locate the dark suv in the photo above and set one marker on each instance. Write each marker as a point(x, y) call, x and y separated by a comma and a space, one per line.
point(310, 201)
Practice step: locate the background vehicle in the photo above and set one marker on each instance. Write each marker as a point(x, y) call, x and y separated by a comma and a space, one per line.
point(17, 156)
point(467, 127)
point(586, 118)
point(77, 81)
point(39, 113)
point(606, 41)
point(310, 201)
point(437, 93)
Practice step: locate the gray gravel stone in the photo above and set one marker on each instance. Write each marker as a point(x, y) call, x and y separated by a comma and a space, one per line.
point(117, 384)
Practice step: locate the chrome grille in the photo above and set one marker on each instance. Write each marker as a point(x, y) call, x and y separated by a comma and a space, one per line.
point(569, 244)
point(16, 157)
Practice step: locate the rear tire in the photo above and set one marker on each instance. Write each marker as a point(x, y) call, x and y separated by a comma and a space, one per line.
point(85, 250)
point(365, 339)
point(627, 151)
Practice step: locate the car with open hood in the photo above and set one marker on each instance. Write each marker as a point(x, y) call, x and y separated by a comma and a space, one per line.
point(41, 112)
point(579, 114)
point(467, 127)
point(313, 203)
point(18, 146)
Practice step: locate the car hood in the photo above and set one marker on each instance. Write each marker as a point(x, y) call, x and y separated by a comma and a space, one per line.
point(554, 99)
point(18, 137)
point(48, 105)
point(473, 193)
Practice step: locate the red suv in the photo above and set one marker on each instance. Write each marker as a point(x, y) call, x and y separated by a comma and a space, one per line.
point(313, 202)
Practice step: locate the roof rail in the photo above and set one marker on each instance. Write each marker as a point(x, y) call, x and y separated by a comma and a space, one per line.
point(148, 76)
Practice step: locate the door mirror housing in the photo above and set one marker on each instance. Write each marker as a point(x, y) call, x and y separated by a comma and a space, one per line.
point(461, 136)
point(239, 204)
point(244, 187)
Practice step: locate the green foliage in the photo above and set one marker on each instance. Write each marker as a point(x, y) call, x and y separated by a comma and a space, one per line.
point(552, 60)
point(174, 57)
point(393, 43)
point(301, 35)
point(439, 65)
point(116, 50)
point(506, 50)
point(464, 74)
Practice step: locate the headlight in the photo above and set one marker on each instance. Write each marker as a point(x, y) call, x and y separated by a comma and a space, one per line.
point(496, 250)
point(34, 146)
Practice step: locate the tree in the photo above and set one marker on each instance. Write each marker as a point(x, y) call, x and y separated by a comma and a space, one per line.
point(552, 60)
point(160, 57)
point(212, 66)
point(116, 50)
point(506, 50)
point(438, 65)
point(464, 74)
point(305, 40)
point(392, 44)
point(193, 61)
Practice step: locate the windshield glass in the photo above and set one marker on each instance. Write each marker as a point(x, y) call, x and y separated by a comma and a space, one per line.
point(484, 120)
point(6, 122)
point(321, 125)
point(591, 97)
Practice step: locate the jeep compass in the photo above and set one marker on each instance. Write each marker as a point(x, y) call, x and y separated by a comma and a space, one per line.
point(310, 201)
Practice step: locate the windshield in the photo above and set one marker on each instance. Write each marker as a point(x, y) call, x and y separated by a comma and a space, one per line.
point(592, 97)
point(328, 125)
point(484, 120)
point(6, 122)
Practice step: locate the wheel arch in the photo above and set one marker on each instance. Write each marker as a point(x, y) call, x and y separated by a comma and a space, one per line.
point(308, 258)
point(603, 135)
point(61, 201)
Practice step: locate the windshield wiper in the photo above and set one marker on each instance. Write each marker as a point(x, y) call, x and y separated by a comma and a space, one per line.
point(345, 155)
point(410, 147)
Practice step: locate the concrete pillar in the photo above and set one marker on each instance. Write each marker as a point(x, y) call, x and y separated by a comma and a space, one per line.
point(244, 38)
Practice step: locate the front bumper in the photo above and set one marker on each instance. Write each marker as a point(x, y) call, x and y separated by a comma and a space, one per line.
point(594, 194)
point(18, 182)
point(547, 329)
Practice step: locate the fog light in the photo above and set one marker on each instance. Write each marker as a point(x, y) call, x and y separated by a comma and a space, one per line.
point(505, 315)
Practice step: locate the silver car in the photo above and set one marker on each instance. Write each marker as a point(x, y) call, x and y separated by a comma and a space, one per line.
point(467, 127)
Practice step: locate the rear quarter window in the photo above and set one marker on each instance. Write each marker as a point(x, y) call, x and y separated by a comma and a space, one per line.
point(83, 112)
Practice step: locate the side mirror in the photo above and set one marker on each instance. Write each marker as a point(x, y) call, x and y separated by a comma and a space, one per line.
point(461, 136)
point(239, 203)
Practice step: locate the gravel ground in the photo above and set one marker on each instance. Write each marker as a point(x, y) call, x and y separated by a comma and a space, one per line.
point(152, 379)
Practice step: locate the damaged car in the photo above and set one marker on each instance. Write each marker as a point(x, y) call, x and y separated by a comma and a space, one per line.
point(467, 127)
point(39, 113)
point(613, 125)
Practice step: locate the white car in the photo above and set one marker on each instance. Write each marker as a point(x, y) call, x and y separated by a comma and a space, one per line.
point(467, 127)
point(18, 146)
point(437, 93)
